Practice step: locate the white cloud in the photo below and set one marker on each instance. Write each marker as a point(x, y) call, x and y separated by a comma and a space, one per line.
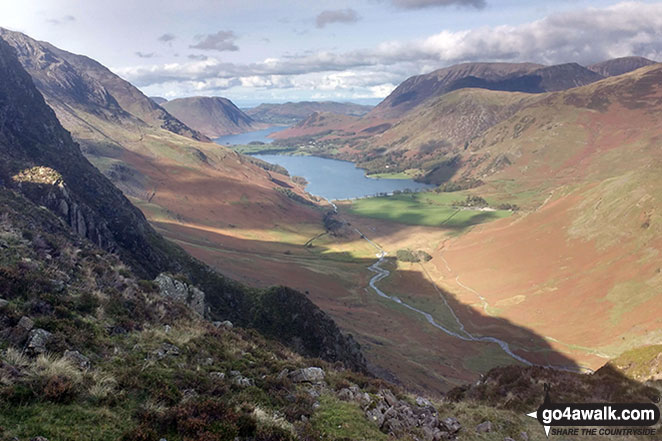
point(585, 36)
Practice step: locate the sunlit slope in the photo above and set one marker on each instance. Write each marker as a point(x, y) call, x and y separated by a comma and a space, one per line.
point(581, 264)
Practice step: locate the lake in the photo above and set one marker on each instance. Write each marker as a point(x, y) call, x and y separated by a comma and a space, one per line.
point(246, 138)
point(334, 180)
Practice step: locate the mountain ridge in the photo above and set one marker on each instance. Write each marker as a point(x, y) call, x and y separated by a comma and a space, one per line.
point(212, 116)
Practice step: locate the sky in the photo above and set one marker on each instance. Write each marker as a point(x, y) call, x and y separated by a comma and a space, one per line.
point(253, 51)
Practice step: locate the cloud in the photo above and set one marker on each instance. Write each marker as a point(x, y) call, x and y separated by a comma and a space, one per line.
point(198, 57)
point(60, 21)
point(420, 4)
point(220, 41)
point(584, 35)
point(336, 16)
point(166, 38)
point(144, 55)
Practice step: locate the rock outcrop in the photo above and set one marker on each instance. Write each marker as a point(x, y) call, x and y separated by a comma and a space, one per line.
point(182, 292)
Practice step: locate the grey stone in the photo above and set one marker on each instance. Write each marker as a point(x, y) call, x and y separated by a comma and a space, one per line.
point(78, 359)
point(167, 350)
point(452, 425)
point(388, 397)
point(181, 292)
point(307, 375)
point(37, 341)
point(227, 324)
point(25, 323)
point(3, 303)
point(524, 436)
point(423, 402)
point(484, 427)
point(217, 375)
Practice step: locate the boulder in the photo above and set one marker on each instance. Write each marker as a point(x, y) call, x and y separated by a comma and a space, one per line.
point(177, 290)
point(37, 341)
point(217, 375)
point(307, 375)
point(3, 303)
point(166, 350)
point(484, 427)
point(78, 359)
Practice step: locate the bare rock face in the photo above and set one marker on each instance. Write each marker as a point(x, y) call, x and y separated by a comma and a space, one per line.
point(181, 292)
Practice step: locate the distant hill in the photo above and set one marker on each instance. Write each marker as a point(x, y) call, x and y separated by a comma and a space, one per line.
point(619, 66)
point(292, 113)
point(158, 100)
point(212, 116)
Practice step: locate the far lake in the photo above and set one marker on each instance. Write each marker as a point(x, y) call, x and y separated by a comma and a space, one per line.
point(335, 180)
point(245, 138)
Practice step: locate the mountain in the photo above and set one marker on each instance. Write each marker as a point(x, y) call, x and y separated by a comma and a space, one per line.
point(71, 81)
point(619, 66)
point(291, 113)
point(512, 77)
point(212, 116)
point(158, 100)
point(42, 162)
point(96, 346)
point(417, 89)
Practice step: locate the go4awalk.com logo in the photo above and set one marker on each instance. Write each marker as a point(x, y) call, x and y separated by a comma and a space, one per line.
point(585, 419)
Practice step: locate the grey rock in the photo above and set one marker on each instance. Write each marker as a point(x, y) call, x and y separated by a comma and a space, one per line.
point(39, 438)
point(452, 425)
point(242, 381)
point(217, 375)
point(78, 359)
point(423, 402)
point(37, 341)
point(227, 324)
point(3, 303)
point(25, 323)
point(283, 374)
point(167, 329)
point(167, 350)
point(484, 427)
point(181, 292)
point(307, 375)
point(524, 436)
point(388, 397)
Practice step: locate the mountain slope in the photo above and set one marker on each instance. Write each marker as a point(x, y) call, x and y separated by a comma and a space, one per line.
point(513, 77)
point(67, 80)
point(619, 66)
point(212, 116)
point(291, 113)
point(41, 161)
point(417, 89)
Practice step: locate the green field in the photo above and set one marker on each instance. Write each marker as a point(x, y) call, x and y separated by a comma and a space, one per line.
point(256, 149)
point(429, 209)
point(395, 175)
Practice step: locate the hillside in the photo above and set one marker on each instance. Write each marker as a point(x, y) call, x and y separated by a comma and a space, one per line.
point(103, 330)
point(292, 113)
point(41, 160)
point(71, 81)
point(212, 116)
point(619, 66)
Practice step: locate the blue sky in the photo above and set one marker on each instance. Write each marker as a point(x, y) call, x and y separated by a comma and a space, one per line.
point(273, 51)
